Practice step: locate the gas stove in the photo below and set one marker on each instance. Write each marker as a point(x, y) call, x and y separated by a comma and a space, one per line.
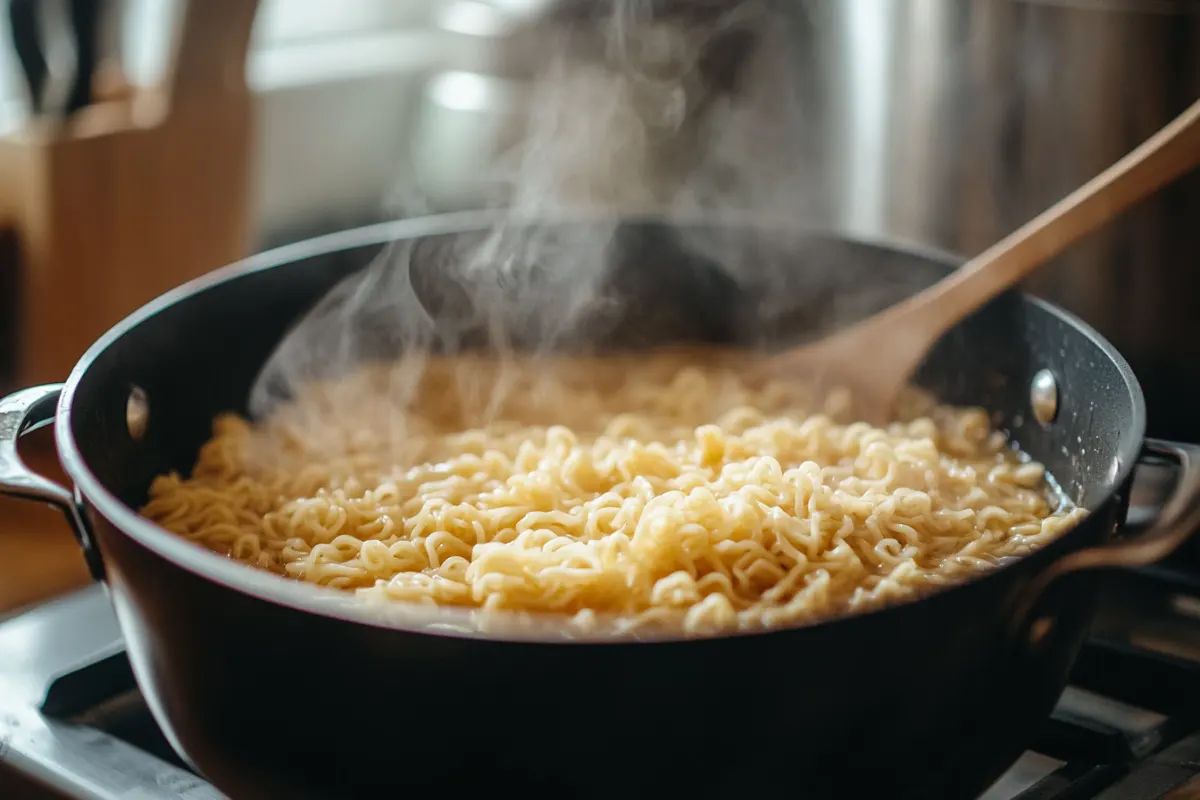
point(73, 725)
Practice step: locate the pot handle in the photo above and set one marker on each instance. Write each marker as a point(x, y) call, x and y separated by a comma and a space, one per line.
point(1174, 525)
point(20, 413)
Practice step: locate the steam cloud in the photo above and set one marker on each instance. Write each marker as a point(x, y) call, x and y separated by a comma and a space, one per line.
point(678, 110)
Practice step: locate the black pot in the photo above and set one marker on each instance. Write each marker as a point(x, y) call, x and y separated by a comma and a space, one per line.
point(277, 689)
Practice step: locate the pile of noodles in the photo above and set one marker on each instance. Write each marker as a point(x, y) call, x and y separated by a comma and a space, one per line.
point(653, 493)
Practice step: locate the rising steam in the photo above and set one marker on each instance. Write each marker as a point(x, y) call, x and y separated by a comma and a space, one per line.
point(679, 110)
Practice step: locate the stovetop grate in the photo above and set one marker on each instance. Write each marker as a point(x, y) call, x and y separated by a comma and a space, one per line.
point(1126, 728)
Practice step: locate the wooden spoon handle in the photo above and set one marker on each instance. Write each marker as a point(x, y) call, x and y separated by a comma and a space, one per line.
point(1162, 158)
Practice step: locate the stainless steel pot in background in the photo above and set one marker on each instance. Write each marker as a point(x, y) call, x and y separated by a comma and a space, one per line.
point(952, 122)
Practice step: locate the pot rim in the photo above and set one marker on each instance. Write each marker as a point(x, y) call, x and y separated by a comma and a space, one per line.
point(540, 627)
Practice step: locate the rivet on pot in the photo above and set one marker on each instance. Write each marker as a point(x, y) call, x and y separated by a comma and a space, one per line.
point(1043, 396)
point(137, 413)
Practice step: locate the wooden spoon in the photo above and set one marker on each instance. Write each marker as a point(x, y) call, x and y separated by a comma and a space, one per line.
point(874, 358)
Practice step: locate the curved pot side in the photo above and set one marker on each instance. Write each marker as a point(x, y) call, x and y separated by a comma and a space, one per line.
point(269, 701)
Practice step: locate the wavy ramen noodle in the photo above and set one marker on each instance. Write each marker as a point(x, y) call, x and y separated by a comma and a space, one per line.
point(663, 495)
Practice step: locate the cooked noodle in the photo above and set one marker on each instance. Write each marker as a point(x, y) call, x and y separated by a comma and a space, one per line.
point(655, 494)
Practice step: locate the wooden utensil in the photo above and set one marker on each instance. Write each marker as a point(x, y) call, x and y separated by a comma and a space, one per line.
point(874, 358)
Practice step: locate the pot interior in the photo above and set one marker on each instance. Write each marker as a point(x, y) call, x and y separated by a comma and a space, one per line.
point(197, 352)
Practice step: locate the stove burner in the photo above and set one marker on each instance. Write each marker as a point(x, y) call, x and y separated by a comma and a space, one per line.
point(73, 724)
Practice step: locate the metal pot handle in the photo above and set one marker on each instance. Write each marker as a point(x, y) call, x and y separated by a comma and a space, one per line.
point(20, 413)
point(1178, 519)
